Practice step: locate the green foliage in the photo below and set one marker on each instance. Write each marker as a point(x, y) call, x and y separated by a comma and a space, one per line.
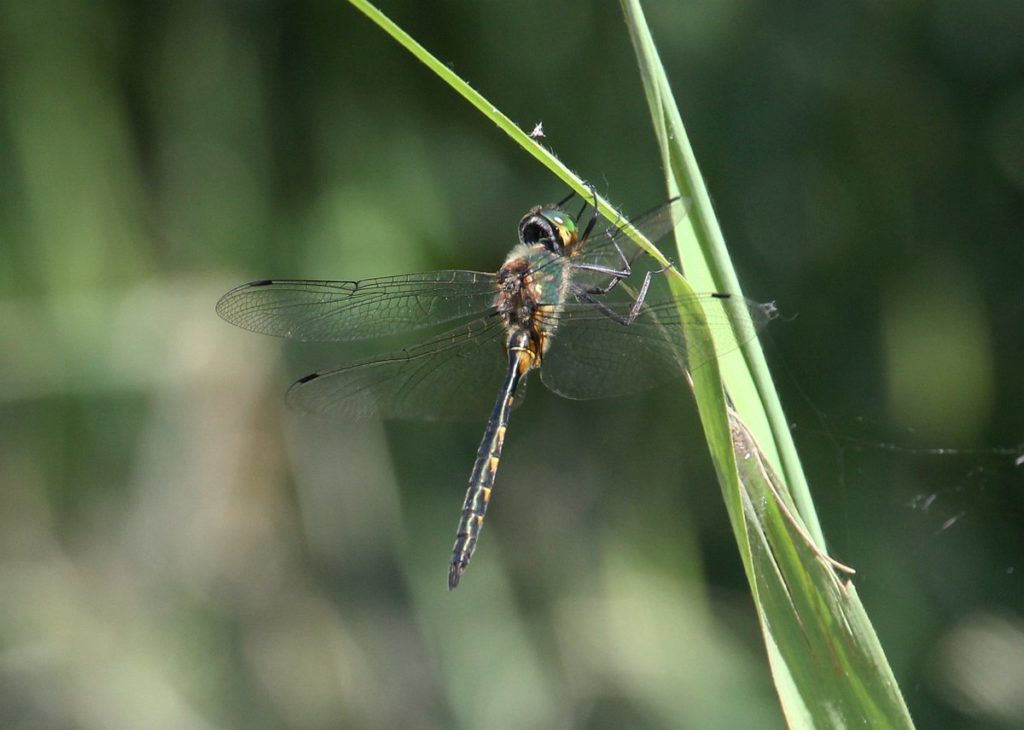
point(178, 549)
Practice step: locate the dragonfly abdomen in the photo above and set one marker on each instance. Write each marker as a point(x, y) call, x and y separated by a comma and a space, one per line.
point(481, 481)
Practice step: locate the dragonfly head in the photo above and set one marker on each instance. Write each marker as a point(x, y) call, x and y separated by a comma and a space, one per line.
point(548, 226)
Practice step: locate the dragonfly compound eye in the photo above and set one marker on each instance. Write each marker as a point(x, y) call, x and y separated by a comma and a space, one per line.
point(550, 227)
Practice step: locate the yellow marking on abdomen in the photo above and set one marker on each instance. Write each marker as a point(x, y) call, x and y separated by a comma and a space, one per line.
point(525, 363)
point(501, 436)
point(493, 464)
point(485, 494)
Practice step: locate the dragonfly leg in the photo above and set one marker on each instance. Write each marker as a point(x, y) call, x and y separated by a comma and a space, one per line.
point(616, 275)
point(593, 218)
point(587, 296)
point(583, 207)
point(566, 199)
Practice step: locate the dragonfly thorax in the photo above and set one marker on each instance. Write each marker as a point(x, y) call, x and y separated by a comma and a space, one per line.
point(522, 300)
point(518, 297)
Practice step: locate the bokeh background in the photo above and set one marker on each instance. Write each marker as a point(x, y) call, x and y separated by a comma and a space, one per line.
point(177, 549)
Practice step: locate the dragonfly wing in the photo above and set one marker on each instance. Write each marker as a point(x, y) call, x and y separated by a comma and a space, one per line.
point(454, 375)
point(327, 311)
point(595, 354)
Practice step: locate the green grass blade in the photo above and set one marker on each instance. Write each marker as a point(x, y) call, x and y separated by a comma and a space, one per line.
point(829, 669)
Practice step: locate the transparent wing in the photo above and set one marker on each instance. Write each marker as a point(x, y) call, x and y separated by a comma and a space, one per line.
point(326, 311)
point(455, 375)
point(595, 355)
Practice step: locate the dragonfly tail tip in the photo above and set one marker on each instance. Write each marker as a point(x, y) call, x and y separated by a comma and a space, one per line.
point(455, 574)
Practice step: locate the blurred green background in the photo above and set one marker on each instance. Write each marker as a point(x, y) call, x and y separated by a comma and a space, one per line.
point(179, 550)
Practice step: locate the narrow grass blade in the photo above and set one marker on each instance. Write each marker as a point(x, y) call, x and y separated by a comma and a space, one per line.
point(829, 669)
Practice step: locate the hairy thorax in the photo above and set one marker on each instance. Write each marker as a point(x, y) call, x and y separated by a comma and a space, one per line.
point(529, 289)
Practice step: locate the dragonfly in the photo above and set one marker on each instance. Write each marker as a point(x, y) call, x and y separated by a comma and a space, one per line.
point(585, 306)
